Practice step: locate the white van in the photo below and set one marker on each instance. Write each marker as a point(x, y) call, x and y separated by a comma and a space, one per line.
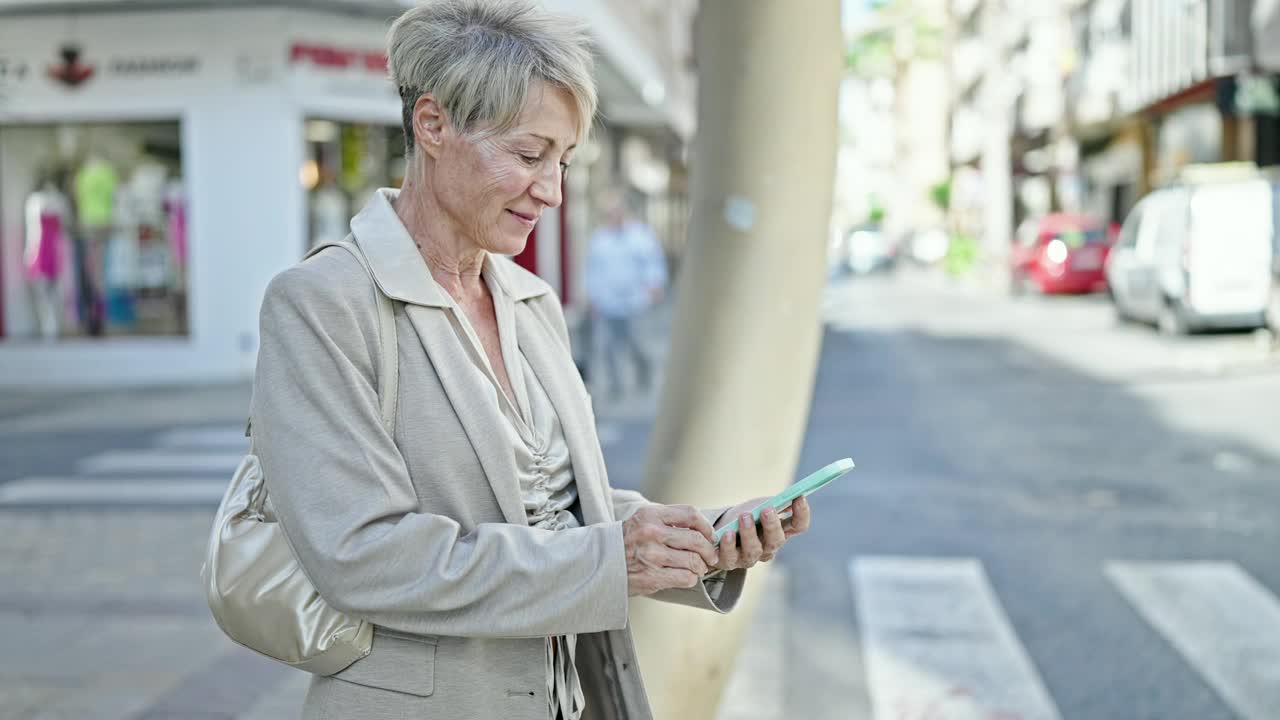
point(1196, 256)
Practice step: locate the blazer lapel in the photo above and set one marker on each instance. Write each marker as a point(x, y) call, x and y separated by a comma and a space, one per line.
point(555, 369)
point(403, 275)
point(468, 394)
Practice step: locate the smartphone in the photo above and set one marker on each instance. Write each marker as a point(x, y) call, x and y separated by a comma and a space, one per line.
point(801, 488)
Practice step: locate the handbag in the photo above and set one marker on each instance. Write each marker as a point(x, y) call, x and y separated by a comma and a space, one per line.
point(255, 587)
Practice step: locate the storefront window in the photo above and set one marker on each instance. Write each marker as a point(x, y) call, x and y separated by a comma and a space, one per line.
point(346, 163)
point(94, 233)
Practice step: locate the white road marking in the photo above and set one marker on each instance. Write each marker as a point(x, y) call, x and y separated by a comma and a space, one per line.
point(214, 438)
point(938, 644)
point(1225, 623)
point(1232, 462)
point(98, 491)
point(143, 461)
point(756, 688)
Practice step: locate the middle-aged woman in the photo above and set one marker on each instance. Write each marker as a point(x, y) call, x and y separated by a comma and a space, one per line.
point(480, 536)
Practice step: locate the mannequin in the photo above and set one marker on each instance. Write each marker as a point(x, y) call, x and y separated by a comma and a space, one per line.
point(95, 191)
point(146, 190)
point(46, 254)
point(120, 261)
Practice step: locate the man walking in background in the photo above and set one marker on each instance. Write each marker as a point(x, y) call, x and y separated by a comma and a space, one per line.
point(626, 275)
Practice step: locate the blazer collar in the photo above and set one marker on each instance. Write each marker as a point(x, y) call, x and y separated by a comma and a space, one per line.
point(402, 274)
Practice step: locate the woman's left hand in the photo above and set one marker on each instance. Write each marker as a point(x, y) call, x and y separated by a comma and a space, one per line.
point(748, 546)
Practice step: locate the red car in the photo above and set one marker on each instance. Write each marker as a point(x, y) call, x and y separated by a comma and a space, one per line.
point(1060, 253)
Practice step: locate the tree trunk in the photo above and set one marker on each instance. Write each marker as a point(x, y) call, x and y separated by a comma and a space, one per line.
point(747, 332)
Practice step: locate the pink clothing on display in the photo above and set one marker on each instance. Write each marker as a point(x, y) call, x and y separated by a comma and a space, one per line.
point(46, 262)
point(176, 206)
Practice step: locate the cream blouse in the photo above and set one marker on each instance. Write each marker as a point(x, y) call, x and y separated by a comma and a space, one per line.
point(543, 467)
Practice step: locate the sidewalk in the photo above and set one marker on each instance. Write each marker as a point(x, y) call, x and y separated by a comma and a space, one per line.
point(653, 331)
point(1123, 350)
point(103, 614)
point(58, 410)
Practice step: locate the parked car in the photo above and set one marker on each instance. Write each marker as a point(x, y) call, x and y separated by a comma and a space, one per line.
point(1198, 255)
point(1060, 253)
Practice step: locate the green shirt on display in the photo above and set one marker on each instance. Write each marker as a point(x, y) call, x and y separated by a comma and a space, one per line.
point(95, 193)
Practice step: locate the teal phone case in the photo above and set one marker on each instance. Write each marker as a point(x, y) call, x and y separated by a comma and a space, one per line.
point(806, 486)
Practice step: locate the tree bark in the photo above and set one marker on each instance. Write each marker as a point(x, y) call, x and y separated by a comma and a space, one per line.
point(746, 332)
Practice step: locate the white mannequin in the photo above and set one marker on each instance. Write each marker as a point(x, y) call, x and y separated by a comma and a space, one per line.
point(120, 255)
point(146, 190)
point(96, 188)
point(46, 253)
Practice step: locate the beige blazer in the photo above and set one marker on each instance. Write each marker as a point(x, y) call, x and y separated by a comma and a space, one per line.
point(424, 533)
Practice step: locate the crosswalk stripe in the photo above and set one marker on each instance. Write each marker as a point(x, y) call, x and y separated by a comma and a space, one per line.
point(98, 491)
point(756, 689)
point(215, 438)
point(938, 644)
point(1225, 623)
point(142, 461)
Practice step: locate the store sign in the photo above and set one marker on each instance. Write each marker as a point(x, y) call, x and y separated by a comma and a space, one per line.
point(328, 70)
point(13, 70)
point(12, 73)
point(337, 58)
point(1257, 95)
point(70, 70)
point(155, 66)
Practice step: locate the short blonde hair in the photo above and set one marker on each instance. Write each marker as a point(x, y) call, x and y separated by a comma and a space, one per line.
point(479, 59)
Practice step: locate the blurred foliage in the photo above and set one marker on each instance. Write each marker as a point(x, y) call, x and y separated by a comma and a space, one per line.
point(940, 194)
point(962, 253)
point(901, 31)
point(871, 55)
point(875, 215)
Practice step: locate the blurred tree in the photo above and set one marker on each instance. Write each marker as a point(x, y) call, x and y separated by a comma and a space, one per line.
point(940, 194)
point(746, 329)
point(962, 253)
point(876, 214)
point(900, 31)
point(871, 55)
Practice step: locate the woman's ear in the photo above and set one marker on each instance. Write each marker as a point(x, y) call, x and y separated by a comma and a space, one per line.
point(430, 124)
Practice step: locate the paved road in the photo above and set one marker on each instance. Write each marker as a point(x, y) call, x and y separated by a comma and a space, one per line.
point(1053, 516)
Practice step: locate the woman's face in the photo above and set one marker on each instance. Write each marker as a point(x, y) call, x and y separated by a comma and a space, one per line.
point(494, 189)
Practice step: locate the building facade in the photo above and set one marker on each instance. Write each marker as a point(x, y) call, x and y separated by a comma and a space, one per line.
point(1086, 105)
point(160, 162)
point(1163, 85)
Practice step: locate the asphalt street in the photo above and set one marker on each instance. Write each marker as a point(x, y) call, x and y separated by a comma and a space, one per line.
point(1054, 516)
point(1046, 445)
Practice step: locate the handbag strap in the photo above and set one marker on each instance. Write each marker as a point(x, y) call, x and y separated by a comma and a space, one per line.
point(389, 374)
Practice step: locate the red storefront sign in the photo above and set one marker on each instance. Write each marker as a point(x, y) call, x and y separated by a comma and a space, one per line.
point(337, 58)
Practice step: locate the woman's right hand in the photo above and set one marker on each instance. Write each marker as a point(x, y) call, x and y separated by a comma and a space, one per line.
point(667, 546)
